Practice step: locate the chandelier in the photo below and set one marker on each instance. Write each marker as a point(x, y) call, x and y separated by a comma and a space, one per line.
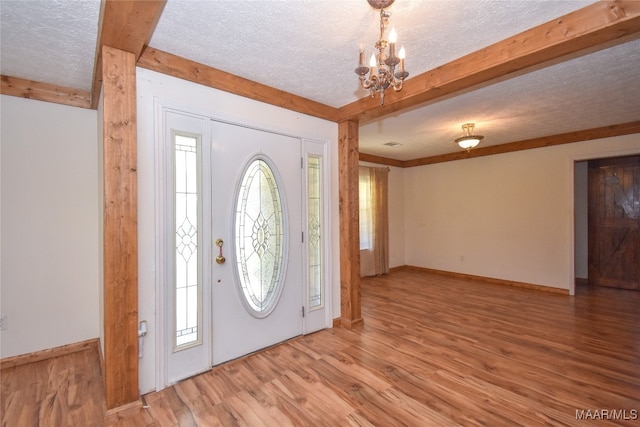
point(468, 140)
point(382, 69)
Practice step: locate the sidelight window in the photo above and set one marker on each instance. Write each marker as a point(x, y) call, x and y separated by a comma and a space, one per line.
point(186, 238)
point(314, 219)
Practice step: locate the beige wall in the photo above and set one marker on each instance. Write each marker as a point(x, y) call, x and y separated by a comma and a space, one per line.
point(396, 217)
point(507, 216)
point(50, 227)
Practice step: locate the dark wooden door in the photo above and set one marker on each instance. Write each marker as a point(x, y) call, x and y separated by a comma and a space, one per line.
point(614, 222)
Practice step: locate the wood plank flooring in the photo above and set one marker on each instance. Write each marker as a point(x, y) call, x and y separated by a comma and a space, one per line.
point(433, 351)
point(60, 391)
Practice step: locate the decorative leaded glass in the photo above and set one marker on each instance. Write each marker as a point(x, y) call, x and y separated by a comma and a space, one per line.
point(315, 236)
point(259, 237)
point(186, 239)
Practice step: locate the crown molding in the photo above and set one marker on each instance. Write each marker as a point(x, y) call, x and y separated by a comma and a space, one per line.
point(528, 144)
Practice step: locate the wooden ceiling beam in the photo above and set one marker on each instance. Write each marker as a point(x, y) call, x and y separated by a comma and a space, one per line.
point(182, 68)
point(126, 25)
point(372, 158)
point(591, 27)
point(528, 144)
point(30, 89)
point(545, 141)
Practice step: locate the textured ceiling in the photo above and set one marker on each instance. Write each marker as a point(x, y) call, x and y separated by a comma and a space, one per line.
point(591, 91)
point(310, 48)
point(52, 41)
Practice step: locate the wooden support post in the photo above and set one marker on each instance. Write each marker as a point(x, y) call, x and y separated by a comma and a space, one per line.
point(350, 305)
point(120, 228)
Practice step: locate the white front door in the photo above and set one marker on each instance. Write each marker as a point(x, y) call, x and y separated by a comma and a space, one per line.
point(256, 215)
point(243, 240)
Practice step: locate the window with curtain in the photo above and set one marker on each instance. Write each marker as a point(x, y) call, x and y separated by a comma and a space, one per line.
point(365, 208)
point(374, 221)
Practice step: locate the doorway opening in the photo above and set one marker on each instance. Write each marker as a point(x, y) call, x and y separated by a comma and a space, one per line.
point(607, 222)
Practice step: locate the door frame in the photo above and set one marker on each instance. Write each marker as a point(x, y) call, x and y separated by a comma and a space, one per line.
point(160, 106)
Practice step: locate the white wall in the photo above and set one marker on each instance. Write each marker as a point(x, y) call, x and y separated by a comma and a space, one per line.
point(49, 225)
point(581, 209)
point(396, 217)
point(507, 216)
point(100, 159)
point(225, 106)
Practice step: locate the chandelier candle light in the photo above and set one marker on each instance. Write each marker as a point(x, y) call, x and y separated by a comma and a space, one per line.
point(382, 70)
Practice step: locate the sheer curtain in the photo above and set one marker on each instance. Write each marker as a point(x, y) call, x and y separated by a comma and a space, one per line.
point(374, 221)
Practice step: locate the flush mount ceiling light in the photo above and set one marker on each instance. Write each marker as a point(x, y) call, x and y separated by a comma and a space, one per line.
point(468, 140)
point(392, 144)
point(382, 67)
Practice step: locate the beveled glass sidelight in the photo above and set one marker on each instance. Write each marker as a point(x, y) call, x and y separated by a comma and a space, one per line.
point(259, 238)
point(314, 191)
point(186, 255)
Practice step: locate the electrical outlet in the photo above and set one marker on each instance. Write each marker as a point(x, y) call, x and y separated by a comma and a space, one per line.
point(4, 323)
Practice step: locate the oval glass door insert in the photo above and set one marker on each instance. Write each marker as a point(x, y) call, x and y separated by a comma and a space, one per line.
point(259, 238)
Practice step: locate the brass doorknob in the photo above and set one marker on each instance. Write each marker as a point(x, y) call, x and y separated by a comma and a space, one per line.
point(220, 259)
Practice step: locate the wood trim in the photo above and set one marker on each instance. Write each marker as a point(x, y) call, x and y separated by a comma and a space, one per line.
point(364, 157)
point(337, 322)
point(129, 25)
point(120, 228)
point(46, 92)
point(166, 63)
point(587, 28)
point(114, 414)
point(528, 144)
point(350, 304)
point(125, 25)
point(512, 283)
point(351, 324)
point(101, 359)
point(50, 353)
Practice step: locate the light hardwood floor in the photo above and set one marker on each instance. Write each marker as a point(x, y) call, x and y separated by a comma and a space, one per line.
point(60, 391)
point(433, 351)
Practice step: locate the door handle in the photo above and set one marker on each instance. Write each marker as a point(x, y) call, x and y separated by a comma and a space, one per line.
point(220, 259)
